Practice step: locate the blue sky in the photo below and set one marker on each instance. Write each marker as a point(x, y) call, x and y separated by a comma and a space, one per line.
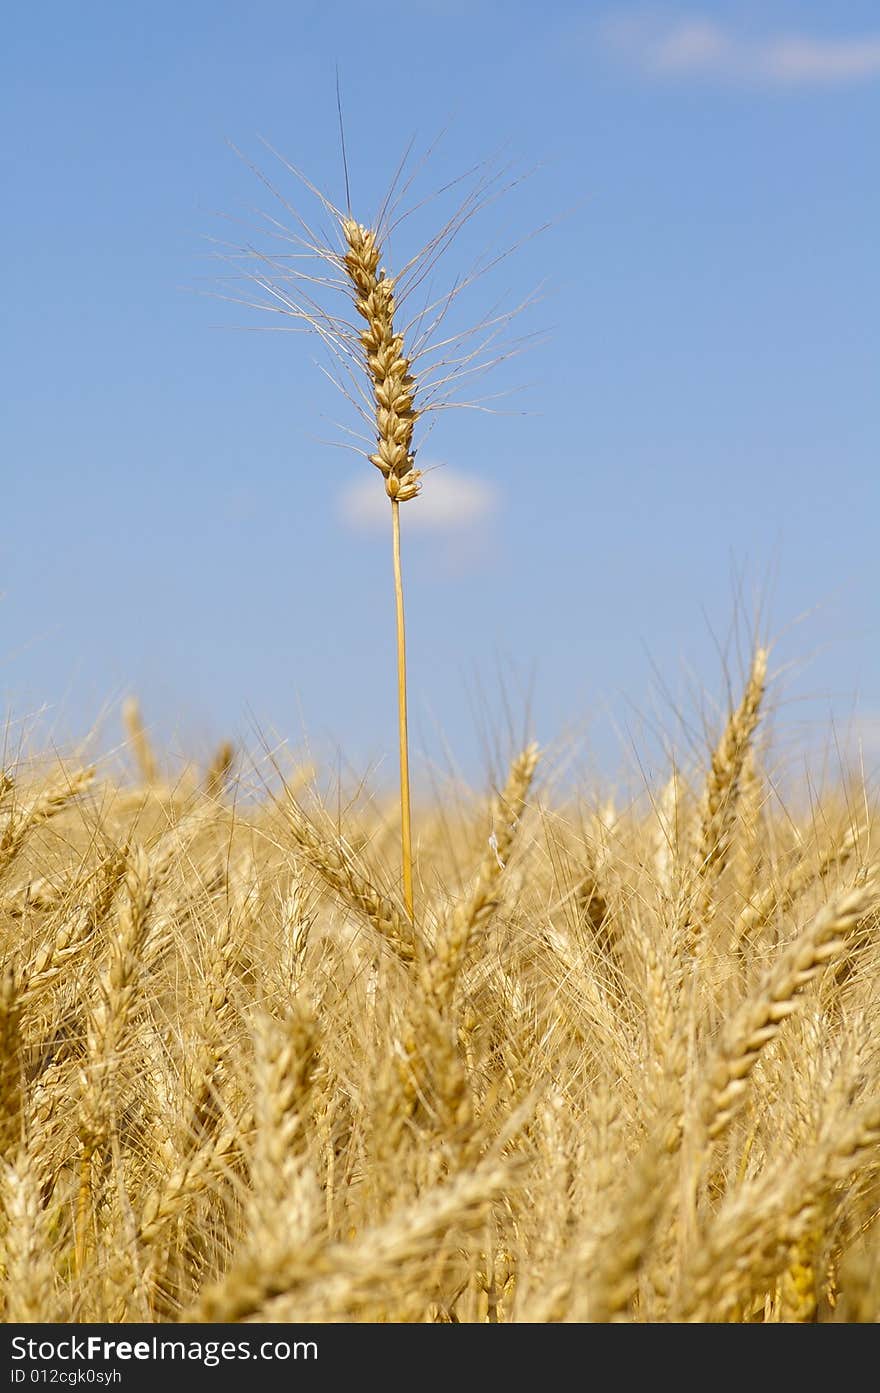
point(697, 431)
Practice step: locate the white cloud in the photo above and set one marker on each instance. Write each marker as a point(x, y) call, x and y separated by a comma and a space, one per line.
point(449, 502)
point(693, 46)
point(828, 60)
point(700, 47)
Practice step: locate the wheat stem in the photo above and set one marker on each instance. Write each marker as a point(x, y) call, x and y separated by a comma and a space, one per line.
point(405, 814)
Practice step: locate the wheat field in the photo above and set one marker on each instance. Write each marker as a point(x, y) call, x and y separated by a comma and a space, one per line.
point(620, 1065)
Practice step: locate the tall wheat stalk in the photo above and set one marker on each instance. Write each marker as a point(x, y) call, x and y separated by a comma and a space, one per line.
point(432, 364)
point(394, 389)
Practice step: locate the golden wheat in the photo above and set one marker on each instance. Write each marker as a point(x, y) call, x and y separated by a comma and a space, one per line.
point(238, 1082)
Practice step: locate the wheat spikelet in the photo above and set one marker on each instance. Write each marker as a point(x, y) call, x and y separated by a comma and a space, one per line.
point(29, 1285)
point(107, 1028)
point(145, 758)
point(110, 1020)
point(33, 813)
point(203, 1071)
point(74, 934)
point(776, 898)
point(455, 932)
point(798, 1285)
point(718, 807)
point(394, 386)
point(297, 918)
point(600, 929)
point(664, 1044)
point(761, 1017)
point(668, 837)
point(193, 1177)
point(36, 893)
point(613, 1284)
point(725, 776)
point(333, 862)
point(747, 845)
point(596, 1275)
point(284, 1197)
point(750, 1241)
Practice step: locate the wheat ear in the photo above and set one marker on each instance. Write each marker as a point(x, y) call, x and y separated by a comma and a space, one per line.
point(720, 797)
point(140, 741)
point(45, 805)
point(284, 1196)
point(728, 762)
point(776, 898)
point(751, 1239)
point(609, 1293)
point(106, 1033)
point(75, 930)
point(30, 1276)
point(760, 1018)
point(195, 1175)
point(333, 862)
point(797, 1295)
point(456, 931)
